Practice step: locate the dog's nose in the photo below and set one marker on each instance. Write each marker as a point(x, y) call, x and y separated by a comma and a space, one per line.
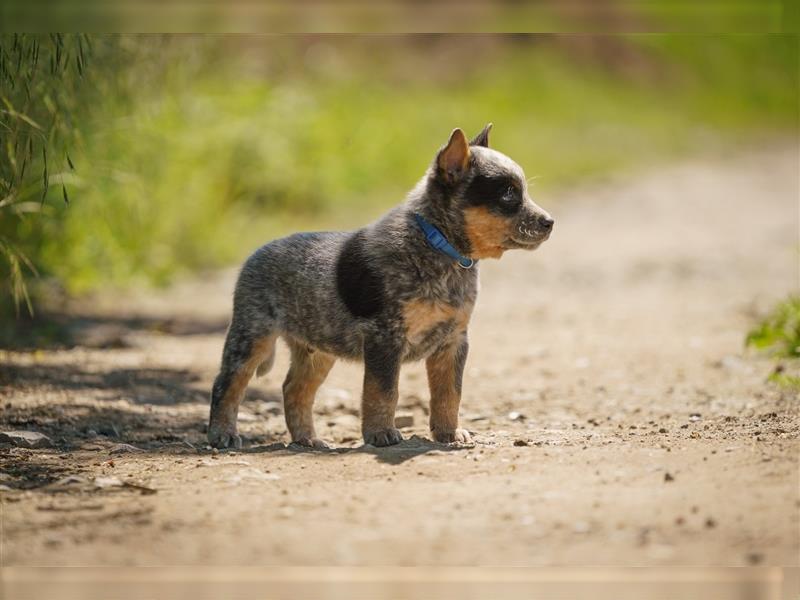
point(546, 223)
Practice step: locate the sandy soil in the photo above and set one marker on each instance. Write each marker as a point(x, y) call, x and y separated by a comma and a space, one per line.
point(617, 419)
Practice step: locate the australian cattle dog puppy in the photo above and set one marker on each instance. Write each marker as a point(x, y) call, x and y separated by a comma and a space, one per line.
point(401, 289)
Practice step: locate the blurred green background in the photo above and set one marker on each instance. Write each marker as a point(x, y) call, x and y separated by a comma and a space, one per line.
point(190, 151)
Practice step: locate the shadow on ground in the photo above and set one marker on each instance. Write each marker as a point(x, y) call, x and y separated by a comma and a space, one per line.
point(62, 330)
point(393, 455)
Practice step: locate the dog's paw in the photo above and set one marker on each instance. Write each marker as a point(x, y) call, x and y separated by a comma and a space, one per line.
point(455, 436)
point(224, 436)
point(312, 442)
point(383, 437)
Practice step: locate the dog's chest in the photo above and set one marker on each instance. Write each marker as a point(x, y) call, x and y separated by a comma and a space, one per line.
point(432, 318)
point(420, 317)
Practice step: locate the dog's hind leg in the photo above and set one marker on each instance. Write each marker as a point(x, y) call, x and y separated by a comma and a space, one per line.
point(244, 351)
point(308, 370)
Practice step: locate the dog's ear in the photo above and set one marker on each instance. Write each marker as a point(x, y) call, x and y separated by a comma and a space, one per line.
point(453, 160)
point(482, 139)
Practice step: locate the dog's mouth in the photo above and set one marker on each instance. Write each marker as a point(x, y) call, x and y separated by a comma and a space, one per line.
point(529, 242)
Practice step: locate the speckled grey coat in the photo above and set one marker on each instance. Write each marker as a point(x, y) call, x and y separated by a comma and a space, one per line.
point(380, 294)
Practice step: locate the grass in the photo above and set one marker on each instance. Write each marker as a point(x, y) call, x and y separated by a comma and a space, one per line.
point(193, 157)
point(779, 332)
point(778, 335)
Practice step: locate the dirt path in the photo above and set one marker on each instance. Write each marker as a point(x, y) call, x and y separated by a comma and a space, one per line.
point(643, 434)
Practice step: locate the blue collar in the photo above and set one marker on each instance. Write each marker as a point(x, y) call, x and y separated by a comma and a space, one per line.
point(438, 242)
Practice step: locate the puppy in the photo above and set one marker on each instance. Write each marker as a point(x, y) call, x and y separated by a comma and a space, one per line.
point(401, 289)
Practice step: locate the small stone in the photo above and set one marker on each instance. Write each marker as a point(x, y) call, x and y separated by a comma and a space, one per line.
point(474, 418)
point(710, 523)
point(662, 430)
point(581, 527)
point(347, 422)
point(107, 482)
point(404, 419)
point(582, 362)
point(124, 449)
point(521, 442)
point(516, 416)
point(69, 480)
point(694, 417)
point(269, 407)
point(755, 558)
point(668, 477)
point(26, 439)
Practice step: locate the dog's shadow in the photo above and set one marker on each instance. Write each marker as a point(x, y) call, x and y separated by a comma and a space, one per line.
point(393, 455)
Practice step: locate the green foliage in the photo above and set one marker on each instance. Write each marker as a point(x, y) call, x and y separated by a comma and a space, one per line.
point(39, 76)
point(779, 333)
point(193, 150)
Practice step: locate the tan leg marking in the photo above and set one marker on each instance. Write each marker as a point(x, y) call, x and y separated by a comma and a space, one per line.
point(445, 395)
point(486, 232)
point(222, 427)
point(307, 372)
point(261, 351)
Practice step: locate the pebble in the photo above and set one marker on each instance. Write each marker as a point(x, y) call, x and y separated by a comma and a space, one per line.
point(404, 419)
point(474, 418)
point(124, 449)
point(107, 482)
point(582, 362)
point(755, 558)
point(346, 422)
point(269, 407)
point(516, 416)
point(521, 442)
point(69, 480)
point(252, 474)
point(668, 477)
point(581, 527)
point(26, 439)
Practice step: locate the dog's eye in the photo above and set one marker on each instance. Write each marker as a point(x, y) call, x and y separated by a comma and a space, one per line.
point(510, 194)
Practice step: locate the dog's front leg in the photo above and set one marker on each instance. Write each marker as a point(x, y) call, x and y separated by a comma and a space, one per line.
point(379, 400)
point(445, 371)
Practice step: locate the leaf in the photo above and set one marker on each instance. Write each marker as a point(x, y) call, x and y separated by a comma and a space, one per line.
point(45, 178)
point(22, 117)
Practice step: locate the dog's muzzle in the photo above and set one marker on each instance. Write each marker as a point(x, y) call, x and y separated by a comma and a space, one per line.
point(532, 230)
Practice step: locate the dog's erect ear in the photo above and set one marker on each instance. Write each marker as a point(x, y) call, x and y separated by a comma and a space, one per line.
point(482, 139)
point(453, 159)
